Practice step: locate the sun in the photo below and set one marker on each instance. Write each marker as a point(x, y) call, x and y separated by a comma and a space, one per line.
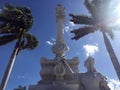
point(117, 14)
point(114, 20)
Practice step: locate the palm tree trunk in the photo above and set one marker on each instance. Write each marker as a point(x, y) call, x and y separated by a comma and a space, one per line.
point(112, 55)
point(10, 66)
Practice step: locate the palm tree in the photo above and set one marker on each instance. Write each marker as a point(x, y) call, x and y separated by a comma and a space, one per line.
point(15, 22)
point(100, 19)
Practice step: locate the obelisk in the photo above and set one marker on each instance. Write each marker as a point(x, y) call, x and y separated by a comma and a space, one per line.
point(60, 48)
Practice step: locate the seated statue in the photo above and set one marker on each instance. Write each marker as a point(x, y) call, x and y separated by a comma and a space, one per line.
point(92, 80)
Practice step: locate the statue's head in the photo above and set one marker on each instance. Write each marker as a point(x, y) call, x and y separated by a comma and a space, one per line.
point(89, 64)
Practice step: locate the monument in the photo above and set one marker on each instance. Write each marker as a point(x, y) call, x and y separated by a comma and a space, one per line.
point(92, 79)
point(61, 73)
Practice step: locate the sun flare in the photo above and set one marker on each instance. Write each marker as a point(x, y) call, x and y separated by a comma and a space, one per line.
point(117, 14)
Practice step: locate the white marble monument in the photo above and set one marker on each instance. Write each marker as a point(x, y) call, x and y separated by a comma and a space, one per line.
point(61, 73)
point(58, 73)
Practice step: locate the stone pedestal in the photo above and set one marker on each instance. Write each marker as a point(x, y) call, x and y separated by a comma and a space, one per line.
point(55, 87)
point(49, 81)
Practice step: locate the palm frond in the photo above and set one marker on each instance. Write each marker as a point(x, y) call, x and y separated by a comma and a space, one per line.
point(7, 39)
point(16, 20)
point(17, 17)
point(83, 31)
point(6, 28)
point(89, 6)
point(30, 42)
point(82, 19)
point(99, 9)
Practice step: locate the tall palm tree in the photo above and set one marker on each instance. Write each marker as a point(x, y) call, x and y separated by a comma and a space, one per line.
point(15, 22)
point(100, 19)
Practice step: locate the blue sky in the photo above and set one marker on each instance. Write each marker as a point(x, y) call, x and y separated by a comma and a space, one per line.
point(27, 65)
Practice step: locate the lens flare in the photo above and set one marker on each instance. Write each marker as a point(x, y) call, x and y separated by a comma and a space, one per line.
point(118, 14)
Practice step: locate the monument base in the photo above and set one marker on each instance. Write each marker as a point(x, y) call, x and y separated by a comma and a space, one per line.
point(49, 80)
point(56, 85)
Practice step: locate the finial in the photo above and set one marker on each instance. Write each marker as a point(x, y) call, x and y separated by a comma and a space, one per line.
point(60, 12)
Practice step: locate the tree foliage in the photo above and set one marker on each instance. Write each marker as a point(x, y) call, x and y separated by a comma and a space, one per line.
point(15, 24)
point(99, 19)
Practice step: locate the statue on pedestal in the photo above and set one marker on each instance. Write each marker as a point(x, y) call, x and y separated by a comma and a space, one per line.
point(92, 80)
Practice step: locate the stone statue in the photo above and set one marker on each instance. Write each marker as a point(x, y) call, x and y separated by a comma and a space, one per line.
point(92, 80)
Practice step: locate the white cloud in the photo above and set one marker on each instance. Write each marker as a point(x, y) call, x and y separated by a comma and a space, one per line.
point(51, 41)
point(114, 84)
point(91, 49)
point(71, 24)
point(67, 28)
